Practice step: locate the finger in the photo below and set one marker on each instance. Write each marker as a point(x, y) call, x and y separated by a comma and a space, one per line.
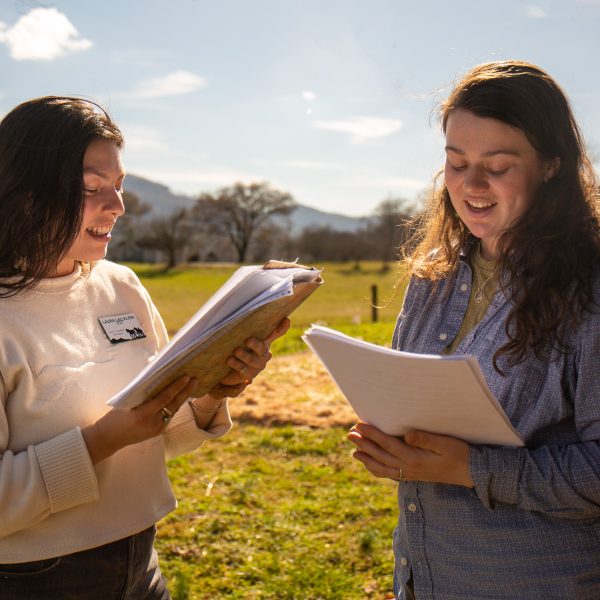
point(375, 467)
point(258, 347)
point(251, 359)
point(427, 441)
point(354, 436)
point(390, 443)
point(166, 395)
point(178, 400)
point(241, 370)
point(280, 330)
point(368, 447)
point(183, 395)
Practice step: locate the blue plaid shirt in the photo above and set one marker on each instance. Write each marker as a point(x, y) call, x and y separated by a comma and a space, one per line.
point(530, 528)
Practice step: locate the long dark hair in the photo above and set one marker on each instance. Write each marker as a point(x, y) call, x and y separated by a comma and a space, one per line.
point(549, 256)
point(42, 145)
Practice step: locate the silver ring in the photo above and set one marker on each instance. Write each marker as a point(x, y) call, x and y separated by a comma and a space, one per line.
point(400, 474)
point(166, 414)
point(243, 369)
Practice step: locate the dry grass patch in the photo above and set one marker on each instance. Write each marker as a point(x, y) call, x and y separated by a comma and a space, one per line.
point(293, 390)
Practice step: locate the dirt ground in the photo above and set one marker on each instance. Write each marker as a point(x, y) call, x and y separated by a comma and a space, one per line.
point(295, 390)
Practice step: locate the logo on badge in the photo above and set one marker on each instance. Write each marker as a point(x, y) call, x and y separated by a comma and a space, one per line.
point(122, 328)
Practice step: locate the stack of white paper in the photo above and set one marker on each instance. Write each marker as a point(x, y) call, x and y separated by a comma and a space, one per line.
point(246, 290)
point(400, 391)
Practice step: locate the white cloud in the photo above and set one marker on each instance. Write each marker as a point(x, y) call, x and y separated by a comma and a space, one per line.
point(174, 84)
point(535, 12)
point(309, 96)
point(42, 34)
point(362, 129)
point(302, 164)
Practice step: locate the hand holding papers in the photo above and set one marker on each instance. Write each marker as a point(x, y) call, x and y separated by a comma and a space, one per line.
point(250, 304)
point(399, 391)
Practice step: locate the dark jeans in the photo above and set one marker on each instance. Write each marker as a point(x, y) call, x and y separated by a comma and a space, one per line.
point(123, 570)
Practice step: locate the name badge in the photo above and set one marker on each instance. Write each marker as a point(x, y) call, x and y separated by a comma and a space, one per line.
point(122, 328)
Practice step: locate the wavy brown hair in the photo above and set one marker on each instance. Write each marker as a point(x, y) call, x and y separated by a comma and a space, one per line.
point(42, 145)
point(549, 257)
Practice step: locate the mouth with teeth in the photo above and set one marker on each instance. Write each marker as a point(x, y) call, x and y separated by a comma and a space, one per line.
point(479, 206)
point(101, 234)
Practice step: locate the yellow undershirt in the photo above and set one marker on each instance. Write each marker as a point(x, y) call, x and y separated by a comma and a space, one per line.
point(485, 282)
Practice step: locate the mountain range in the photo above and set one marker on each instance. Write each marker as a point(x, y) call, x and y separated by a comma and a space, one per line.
point(163, 201)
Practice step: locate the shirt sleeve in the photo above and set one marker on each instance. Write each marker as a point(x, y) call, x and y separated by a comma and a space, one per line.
point(561, 480)
point(183, 435)
point(46, 478)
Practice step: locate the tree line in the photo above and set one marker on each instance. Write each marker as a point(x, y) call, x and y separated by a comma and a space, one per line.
point(251, 223)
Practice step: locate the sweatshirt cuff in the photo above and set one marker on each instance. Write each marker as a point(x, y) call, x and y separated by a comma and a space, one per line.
point(495, 473)
point(67, 470)
point(182, 435)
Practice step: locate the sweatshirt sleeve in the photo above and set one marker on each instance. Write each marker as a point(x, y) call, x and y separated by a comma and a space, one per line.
point(46, 478)
point(182, 435)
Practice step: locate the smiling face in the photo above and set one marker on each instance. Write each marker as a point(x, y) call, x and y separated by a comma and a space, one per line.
point(492, 174)
point(103, 176)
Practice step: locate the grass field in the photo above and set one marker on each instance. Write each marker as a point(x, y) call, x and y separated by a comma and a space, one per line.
point(277, 513)
point(343, 301)
point(280, 512)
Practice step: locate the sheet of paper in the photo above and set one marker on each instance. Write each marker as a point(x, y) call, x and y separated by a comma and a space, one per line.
point(246, 290)
point(399, 391)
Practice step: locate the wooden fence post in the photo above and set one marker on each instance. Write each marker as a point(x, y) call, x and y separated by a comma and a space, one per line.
point(374, 307)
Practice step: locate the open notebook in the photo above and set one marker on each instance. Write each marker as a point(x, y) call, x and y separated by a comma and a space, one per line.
point(400, 391)
point(249, 304)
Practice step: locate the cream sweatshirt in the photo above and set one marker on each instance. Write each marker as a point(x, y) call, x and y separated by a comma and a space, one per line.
point(57, 370)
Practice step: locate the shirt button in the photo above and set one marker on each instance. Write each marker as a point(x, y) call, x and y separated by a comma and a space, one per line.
point(403, 561)
point(412, 507)
point(443, 336)
point(464, 287)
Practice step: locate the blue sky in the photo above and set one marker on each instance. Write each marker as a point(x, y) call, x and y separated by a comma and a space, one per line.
point(330, 100)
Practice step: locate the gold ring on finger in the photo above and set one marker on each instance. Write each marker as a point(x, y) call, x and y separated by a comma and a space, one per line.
point(166, 414)
point(400, 475)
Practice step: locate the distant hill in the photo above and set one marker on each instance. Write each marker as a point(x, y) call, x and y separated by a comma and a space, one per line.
point(163, 201)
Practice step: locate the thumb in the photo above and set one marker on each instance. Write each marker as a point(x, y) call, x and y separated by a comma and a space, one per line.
point(280, 330)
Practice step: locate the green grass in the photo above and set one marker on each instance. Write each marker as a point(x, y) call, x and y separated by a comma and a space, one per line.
point(343, 301)
point(278, 513)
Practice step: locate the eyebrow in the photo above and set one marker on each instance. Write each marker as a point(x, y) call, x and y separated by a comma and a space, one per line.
point(486, 154)
point(100, 173)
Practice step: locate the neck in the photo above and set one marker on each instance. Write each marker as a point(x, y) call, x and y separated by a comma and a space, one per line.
point(487, 249)
point(65, 267)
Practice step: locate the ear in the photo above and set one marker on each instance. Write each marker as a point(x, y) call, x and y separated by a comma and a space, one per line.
point(551, 169)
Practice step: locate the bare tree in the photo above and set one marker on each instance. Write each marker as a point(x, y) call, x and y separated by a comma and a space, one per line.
point(169, 235)
point(324, 243)
point(240, 212)
point(390, 227)
point(124, 245)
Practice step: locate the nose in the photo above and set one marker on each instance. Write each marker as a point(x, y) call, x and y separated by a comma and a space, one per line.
point(475, 180)
point(114, 203)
